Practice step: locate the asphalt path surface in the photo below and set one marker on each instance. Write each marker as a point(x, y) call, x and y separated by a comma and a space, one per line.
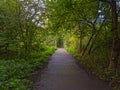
point(62, 73)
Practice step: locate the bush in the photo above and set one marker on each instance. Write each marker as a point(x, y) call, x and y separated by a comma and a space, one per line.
point(13, 73)
point(97, 64)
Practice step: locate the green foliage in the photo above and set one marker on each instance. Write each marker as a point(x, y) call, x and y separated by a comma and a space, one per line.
point(25, 41)
point(13, 73)
point(96, 63)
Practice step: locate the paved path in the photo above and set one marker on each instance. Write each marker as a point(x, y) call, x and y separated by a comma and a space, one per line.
point(63, 73)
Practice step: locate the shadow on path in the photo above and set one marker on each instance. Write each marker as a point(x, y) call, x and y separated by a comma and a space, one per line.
point(62, 73)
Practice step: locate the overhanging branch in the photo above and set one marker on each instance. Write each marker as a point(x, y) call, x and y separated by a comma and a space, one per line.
point(107, 1)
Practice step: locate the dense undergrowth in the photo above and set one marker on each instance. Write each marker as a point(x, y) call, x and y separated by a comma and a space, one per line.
point(14, 72)
point(96, 63)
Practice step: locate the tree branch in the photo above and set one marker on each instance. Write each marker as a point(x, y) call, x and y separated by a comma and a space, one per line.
point(107, 1)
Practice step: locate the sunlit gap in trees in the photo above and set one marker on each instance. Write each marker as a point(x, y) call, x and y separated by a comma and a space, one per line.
point(35, 9)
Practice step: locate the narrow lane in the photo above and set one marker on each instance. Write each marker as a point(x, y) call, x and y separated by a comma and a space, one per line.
point(63, 73)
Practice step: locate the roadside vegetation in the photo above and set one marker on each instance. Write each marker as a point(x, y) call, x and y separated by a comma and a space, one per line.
point(97, 64)
point(30, 30)
point(15, 71)
point(91, 32)
point(23, 43)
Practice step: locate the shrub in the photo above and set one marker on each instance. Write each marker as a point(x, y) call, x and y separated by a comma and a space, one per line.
point(13, 72)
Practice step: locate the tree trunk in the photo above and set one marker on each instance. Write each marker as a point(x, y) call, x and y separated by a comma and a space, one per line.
point(87, 44)
point(90, 49)
point(115, 39)
point(81, 43)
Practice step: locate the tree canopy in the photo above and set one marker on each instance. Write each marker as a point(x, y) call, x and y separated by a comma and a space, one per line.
point(89, 28)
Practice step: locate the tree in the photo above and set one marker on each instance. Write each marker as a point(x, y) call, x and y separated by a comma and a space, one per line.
point(115, 38)
point(74, 13)
point(20, 23)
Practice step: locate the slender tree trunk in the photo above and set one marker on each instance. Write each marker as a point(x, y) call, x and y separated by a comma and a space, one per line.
point(79, 49)
point(87, 44)
point(115, 39)
point(78, 45)
point(90, 49)
point(81, 43)
point(94, 40)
